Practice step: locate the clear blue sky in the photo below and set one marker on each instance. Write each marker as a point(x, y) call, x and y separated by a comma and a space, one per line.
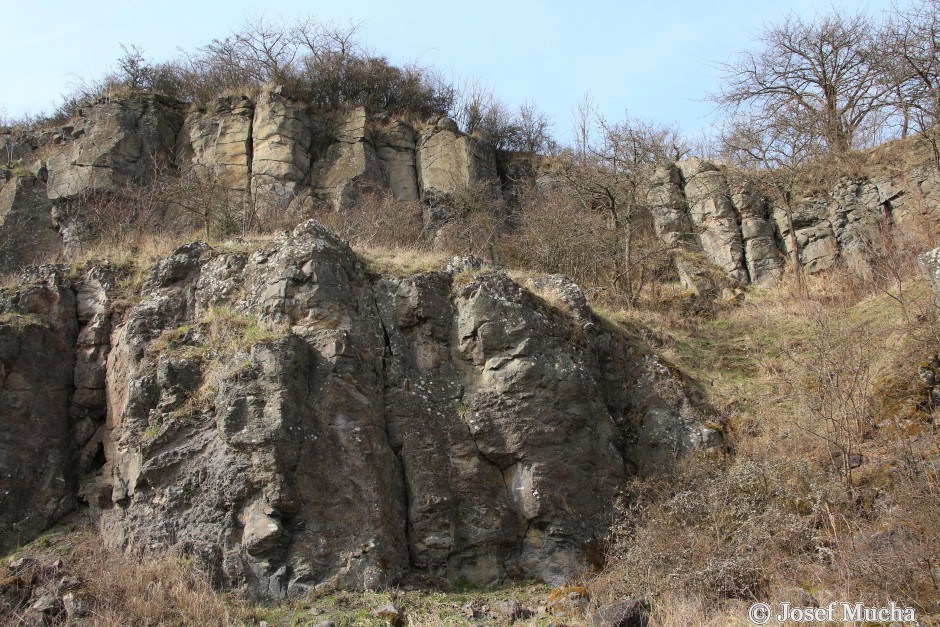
point(653, 59)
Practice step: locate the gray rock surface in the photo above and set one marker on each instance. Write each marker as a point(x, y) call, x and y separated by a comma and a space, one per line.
point(668, 204)
point(625, 613)
point(713, 216)
point(350, 165)
point(38, 330)
point(762, 255)
point(929, 263)
point(448, 160)
point(113, 144)
point(396, 150)
point(282, 143)
point(217, 142)
point(292, 422)
point(27, 233)
point(815, 240)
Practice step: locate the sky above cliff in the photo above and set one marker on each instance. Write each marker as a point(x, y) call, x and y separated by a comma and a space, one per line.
point(654, 60)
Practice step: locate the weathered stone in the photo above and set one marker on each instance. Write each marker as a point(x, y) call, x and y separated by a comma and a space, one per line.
point(929, 263)
point(38, 329)
point(856, 215)
point(282, 148)
point(460, 407)
point(27, 233)
point(217, 142)
point(396, 148)
point(448, 160)
point(113, 144)
point(88, 405)
point(351, 164)
point(626, 613)
point(815, 240)
point(387, 612)
point(668, 205)
point(713, 215)
point(763, 257)
point(911, 199)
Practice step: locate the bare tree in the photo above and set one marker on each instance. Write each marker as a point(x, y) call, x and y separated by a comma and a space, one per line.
point(534, 129)
point(779, 145)
point(909, 53)
point(262, 51)
point(608, 174)
point(820, 71)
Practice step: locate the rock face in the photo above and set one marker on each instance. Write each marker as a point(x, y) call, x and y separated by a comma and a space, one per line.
point(113, 144)
point(351, 163)
point(448, 160)
point(712, 214)
point(669, 206)
point(763, 258)
point(291, 421)
point(698, 205)
point(396, 150)
point(282, 136)
point(274, 153)
point(27, 232)
point(217, 142)
point(929, 263)
point(38, 330)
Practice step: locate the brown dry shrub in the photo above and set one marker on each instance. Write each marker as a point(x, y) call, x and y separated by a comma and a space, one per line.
point(471, 220)
point(377, 220)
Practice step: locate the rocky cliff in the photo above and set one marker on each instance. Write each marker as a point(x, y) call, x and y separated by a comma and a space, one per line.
point(291, 420)
point(272, 152)
point(697, 204)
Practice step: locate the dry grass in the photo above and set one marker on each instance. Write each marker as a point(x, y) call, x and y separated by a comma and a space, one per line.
point(116, 589)
point(401, 262)
point(832, 491)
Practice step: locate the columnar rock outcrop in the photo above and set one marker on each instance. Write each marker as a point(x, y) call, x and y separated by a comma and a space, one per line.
point(217, 142)
point(271, 151)
point(282, 141)
point(38, 329)
point(699, 205)
point(351, 163)
point(54, 338)
point(711, 212)
point(761, 254)
point(449, 160)
point(27, 231)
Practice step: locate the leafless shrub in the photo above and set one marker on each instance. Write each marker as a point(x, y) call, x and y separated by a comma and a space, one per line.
point(377, 220)
point(475, 218)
